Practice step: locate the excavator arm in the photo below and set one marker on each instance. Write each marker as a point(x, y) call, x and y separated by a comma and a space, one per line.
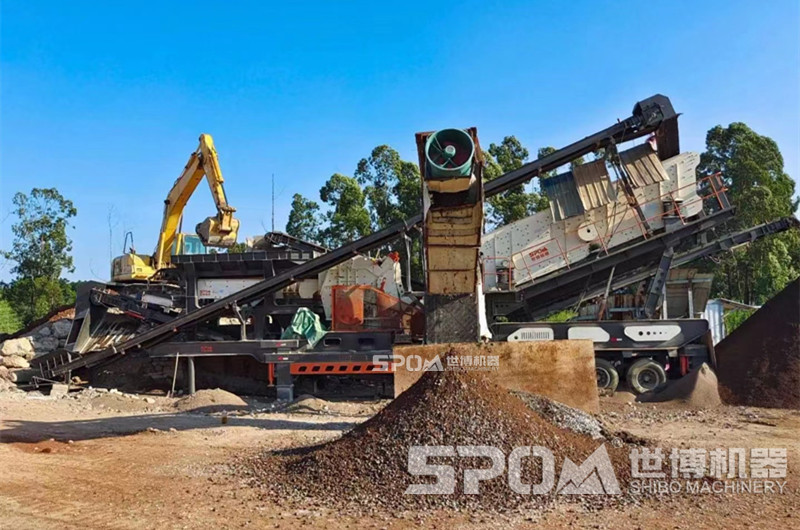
point(218, 231)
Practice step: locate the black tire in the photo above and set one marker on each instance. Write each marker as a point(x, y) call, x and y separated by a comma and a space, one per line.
point(645, 375)
point(607, 376)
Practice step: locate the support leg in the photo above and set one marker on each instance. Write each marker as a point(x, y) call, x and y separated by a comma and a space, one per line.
point(658, 284)
point(284, 386)
point(190, 375)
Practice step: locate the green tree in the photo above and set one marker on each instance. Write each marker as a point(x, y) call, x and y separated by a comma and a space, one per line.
point(32, 298)
point(238, 248)
point(41, 252)
point(514, 204)
point(734, 319)
point(391, 185)
point(9, 319)
point(41, 247)
point(304, 219)
point(394, 193)
point(752, 169)
point(348, 218)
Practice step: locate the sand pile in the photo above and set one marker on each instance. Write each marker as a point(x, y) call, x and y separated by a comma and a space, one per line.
point(698, 389)
point(367, 467)
point(118, 402)
point(216, 400)
point(759, 363)
point(308, 404)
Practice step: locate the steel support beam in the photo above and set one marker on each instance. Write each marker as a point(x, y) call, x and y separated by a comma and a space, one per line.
point(190, 375)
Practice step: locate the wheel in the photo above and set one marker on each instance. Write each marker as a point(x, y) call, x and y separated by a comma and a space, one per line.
point(645, 375)
point(607, 375)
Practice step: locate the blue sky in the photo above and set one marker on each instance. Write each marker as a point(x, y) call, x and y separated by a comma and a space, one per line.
point(105, 100)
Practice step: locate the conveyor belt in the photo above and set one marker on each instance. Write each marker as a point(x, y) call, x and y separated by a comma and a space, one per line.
point(567, 289)
point(648, 116)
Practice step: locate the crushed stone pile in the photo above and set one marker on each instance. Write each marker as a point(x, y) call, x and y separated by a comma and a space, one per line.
point(366, 469)
point(698, 390)
point(208, 400)
point(759, 363)
point(562, 415)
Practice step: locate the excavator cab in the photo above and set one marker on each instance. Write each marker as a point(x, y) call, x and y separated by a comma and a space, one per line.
point(189, 244)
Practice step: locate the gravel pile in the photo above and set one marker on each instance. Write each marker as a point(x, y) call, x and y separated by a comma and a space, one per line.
point(698, 390)
point(563, 415)
point(759, 363)
point(366, 469)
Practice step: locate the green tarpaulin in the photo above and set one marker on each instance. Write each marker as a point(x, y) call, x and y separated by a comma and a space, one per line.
point(305, 324)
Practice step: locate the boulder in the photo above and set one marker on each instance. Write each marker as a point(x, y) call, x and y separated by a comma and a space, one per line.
point(44, 344)
point(59, 390)
point(44, 331)
point(60, 328)
point(15, 361)
point(22, 347)
point(4, 373)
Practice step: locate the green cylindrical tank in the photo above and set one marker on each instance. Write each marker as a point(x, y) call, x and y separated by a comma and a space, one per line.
point(449, 154)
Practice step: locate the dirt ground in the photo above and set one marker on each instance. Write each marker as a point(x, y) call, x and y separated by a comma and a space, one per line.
point(114, 461)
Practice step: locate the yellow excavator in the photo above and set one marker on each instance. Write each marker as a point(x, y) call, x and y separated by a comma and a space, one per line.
point(217, 231)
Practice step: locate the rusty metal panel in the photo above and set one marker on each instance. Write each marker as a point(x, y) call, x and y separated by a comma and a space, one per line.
point(452, 318)
point(453, 237)
point(643, 166)
point(594, 185)
point(563, 194)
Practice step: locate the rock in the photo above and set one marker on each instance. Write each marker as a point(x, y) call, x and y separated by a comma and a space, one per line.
point(44, 331)
point(149, 401)
point(15, 361)
point(61, 328)
point(22, 347)
point(59, 390)
point(4, 373)
point(45, 344)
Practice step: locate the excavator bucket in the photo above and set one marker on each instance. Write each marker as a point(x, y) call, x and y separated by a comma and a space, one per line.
point(562, 370)
point(213, 235)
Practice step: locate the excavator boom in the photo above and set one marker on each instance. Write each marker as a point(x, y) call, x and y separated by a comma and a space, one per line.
point(218, 231)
